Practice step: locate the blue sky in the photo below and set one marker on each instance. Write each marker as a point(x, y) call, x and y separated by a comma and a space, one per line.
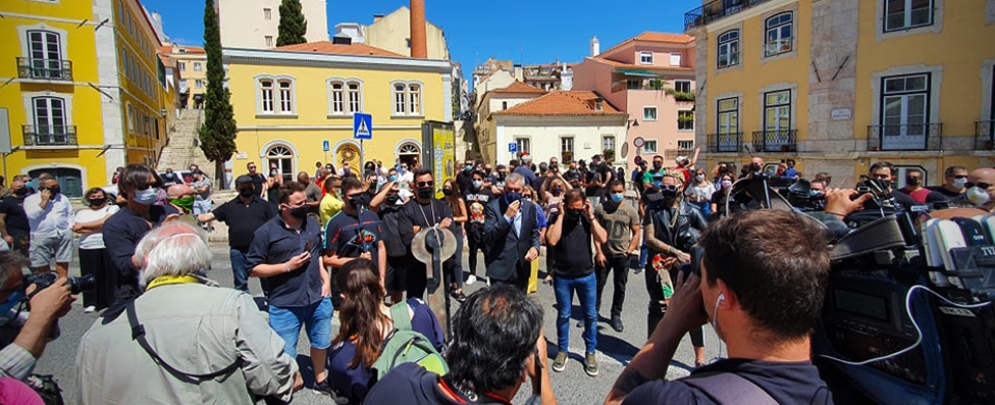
point(524, 31)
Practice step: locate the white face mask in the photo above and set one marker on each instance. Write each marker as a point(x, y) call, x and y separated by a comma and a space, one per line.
point(700, 177)
point(961, 182)
point(978, 195)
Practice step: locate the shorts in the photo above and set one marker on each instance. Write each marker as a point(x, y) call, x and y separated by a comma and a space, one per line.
point(44, 249)
point(395, 281)
point(201, 207)
point(317, 319)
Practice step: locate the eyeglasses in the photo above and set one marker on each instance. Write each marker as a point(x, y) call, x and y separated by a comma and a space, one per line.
point(983, 186)
point(426, 184)
point(960, 177)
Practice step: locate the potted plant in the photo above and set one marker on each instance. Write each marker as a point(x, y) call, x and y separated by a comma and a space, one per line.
point(609, 154)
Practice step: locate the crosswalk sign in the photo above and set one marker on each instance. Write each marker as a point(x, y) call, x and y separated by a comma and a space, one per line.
point(362, 126)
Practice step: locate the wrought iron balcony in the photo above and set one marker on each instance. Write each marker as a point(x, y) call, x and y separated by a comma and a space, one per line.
point(44, 69)
point(725, 142)
point(671, 154)
point(49, 135)
point(926, 136)
point(984, 135)
point(716, 10)
point(775, 140)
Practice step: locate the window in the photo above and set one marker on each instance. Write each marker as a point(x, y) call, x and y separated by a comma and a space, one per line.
point(338, 98)
point(399, 96)
point(649, 113)
point(729, 49)
point(199, 84)
point(649, 146)
point(728, 125)
point(45, 53)
point(686, 144)
point(267, 14)
point(777, 111)
point(905, 14)
point(286, 97)
point(197, 67)
point(566, 149)
point(675, 59)
point(646, 58)
point(182, 66)
point(354, 98)
point(345, 97)
point(50, 119)
point(779, 39)
point(504, 105)
point(607, 142)
point(414, 96)
point(269, 41)
point(131, 119)
point(905, 111)
point(407, 99)
point(682, 86)
point(634, 84)
point(524, 144)
point(266, 96)
point(685, 120)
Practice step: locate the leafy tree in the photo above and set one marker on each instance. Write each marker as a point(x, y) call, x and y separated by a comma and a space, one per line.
point(217, 134)
point(293, 26)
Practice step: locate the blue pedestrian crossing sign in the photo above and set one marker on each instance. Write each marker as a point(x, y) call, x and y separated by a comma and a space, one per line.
point(513, 147)
point(362, 126)
point(325, 146)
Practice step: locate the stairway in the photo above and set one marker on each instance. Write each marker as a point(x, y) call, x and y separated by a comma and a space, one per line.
point(182, 150)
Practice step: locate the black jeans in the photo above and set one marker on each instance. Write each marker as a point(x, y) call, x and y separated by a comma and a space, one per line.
point(657, 305)
point(523, 270)
point(98, 263)
point(475, 244)
point(619, 265)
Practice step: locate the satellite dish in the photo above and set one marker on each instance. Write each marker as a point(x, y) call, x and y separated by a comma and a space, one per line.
point(625, 150)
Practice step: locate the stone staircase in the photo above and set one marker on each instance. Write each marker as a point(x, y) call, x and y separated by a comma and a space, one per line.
point(183, 149)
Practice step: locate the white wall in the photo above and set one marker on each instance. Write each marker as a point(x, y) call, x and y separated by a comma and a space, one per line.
point(545, 133)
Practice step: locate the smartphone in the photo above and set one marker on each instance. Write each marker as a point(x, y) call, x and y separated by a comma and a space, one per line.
point(308, 246)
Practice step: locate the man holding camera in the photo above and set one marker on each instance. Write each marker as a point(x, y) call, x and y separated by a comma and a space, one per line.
point(763, 297)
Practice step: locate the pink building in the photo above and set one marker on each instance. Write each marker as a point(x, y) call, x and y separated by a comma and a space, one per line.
point(651, 77)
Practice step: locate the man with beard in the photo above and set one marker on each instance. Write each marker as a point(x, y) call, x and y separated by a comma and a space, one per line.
point(422, 213)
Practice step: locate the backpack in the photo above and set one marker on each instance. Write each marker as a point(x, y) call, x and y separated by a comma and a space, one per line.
point(405, 345)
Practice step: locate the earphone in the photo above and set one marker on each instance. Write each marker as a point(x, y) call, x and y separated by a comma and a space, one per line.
point(715, 312)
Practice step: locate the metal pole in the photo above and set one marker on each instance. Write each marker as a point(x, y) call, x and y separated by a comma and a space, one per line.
point(362, 154)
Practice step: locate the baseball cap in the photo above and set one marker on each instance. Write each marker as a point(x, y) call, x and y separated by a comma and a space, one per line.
point(243, 179)
point(196, 171)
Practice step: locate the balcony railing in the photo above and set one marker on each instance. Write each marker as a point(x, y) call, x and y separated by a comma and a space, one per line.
point(44, 69)
point(716, 10)
point(725, 142)
point(671, 154)
point(49, 135)
point(776, 140)
point(926, 136)
point(984, 135)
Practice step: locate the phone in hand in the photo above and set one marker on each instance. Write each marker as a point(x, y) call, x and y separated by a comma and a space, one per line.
point(308, 246)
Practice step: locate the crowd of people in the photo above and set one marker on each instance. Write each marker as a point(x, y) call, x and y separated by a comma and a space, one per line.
point(342, 240)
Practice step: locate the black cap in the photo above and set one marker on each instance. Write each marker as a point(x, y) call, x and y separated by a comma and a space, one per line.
point(196, 171)
point(243, 179)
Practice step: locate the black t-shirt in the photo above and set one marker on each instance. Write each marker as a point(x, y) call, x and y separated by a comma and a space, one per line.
point(605, 170)
point(243, 220)
point(573, 251)
point(476, 202)
point(410, 384)
point(949, 195)
point(464, 179)
point(787, 383)
point(257, 182)
point(351, 236)
point(16, 219)
point(592, 176)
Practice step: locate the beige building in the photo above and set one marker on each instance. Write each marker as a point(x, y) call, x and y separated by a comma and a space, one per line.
point(254, 23)
point(191, 65)
point(392, 33)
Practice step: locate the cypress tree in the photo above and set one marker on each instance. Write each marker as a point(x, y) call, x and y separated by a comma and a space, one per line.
point(293, 26)
point(217, 133)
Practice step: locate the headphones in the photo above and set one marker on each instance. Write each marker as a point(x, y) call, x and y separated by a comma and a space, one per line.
point(715, 312)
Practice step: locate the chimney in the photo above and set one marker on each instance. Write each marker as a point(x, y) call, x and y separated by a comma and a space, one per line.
point(595, 47)
point(598, 104)
point(419, 48)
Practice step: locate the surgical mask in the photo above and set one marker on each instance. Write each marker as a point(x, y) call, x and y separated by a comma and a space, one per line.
point(298, 212)
point(11, 302)
point(512, 196)
point(425, 193)
point(657, 183)
point(618, 197)
point(468, 168)
point(726, 183)
point(700, 177)
point(961, 182)
point(246, 192)
point(978, 195)
point(273, 173)
point(557, 190)
point(186, 203)
point(478, 184)
point(393, 178)
point(147, 196)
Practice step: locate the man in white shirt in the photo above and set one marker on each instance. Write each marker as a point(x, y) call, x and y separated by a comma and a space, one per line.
point(49, 213)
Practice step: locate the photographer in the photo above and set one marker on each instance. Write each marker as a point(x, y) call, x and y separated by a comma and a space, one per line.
point(763, 297)
point(24, 343)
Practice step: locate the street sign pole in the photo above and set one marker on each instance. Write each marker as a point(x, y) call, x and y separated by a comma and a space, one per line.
point(362, 129)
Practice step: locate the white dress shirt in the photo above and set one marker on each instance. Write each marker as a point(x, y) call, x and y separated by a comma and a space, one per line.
point(51, 221)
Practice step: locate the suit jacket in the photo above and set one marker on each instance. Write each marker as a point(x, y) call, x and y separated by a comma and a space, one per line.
point(506, 250)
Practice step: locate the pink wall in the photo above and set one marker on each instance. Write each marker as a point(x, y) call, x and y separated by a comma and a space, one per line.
point(590, 75)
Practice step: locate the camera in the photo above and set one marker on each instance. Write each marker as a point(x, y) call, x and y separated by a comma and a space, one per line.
point(76, 284)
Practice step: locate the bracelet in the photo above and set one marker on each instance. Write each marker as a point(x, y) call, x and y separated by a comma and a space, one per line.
point(836, 213)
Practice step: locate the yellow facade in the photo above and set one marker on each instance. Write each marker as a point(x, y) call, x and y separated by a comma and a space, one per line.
point(63, 95)
point(293, 138)
point(191, 63)
point(855, 74)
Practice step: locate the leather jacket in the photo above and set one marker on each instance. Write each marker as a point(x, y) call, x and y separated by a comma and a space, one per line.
point(685, 232)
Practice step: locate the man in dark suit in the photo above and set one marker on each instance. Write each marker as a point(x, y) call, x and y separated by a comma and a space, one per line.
point(511, 231)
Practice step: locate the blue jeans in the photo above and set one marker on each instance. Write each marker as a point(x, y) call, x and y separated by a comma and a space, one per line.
point(587, 293)
point(643, 255)
point(239, 271)
point(317, 319)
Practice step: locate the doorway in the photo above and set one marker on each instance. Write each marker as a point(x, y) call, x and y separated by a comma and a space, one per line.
point(408, 153)
point(283, 158)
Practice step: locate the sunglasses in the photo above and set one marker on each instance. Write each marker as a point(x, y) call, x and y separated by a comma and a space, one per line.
point(668, 187)
point(984, 186)
point(426, 184)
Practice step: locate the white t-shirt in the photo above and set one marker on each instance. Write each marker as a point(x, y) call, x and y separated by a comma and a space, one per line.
point(698, 193)
point(93, 240)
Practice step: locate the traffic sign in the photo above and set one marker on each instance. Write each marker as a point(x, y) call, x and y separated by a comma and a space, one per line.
point(325, 146)
point(513, 147)
point(362, 126)
point(638, 142)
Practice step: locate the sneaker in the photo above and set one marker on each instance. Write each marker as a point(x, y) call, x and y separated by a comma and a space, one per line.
point(591, 364)
point(458, 296)
point(470, 280)
point(617, 324)
point(89, 309)
point(324, 388)
point(638, 270)
point(560, 362)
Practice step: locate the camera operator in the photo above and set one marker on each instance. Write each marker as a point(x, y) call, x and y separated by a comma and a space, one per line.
point(24, 343)
point(763, 297)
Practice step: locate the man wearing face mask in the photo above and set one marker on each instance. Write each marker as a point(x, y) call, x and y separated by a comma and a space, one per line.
point(621, 221)
point(49, 213)
point(914, 188)
point(981, 187)
point(122, 231)
point(953, 188)
point(477, 197)
point(511, 232)
point(648, 178)
point(244, 214)
point(423, 212)
point(884, 174)
point(169, 178)
point(355, 233)
point(465, 177)
point(14, 225)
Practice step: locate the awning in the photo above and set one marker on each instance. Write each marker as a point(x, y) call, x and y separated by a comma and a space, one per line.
point(636, 72)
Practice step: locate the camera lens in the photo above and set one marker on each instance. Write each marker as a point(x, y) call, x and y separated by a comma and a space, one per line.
point(81, 284)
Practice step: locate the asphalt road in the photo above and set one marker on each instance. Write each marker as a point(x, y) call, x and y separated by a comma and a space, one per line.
point(572, 386)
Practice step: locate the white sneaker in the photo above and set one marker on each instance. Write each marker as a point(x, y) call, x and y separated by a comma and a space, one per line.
point(89, 309)
point(470, 280)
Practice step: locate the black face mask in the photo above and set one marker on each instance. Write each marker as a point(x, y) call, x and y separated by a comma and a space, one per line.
point(299, 212)
point(754, 167)
point(54, 190)
point(23, 191)
point(668, 194)
point(574, 214)
point(358, 200)
point(393, 199)
point(425, 193)
point(447, 191)
point(657, 166)
point(912, 181)
point(96, 202)
point(246, 192)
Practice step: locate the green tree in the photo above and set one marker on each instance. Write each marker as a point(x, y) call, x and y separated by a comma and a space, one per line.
point(293, 26)
point(217, 134)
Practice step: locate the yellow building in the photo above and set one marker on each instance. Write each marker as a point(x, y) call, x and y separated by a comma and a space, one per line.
point(290, 100)
point(83, 89)
point(191, 63)
point(393, 33)
point(838, 85)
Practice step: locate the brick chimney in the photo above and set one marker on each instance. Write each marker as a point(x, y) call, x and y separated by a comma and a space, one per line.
point(419, 47)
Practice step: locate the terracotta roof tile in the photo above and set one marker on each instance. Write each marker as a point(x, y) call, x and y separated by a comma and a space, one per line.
point(519, 87)
point(339, 49)
point(648, 36)
point(570, 103)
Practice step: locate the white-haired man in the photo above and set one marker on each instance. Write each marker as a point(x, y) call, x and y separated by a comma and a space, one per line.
point(198, 343)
